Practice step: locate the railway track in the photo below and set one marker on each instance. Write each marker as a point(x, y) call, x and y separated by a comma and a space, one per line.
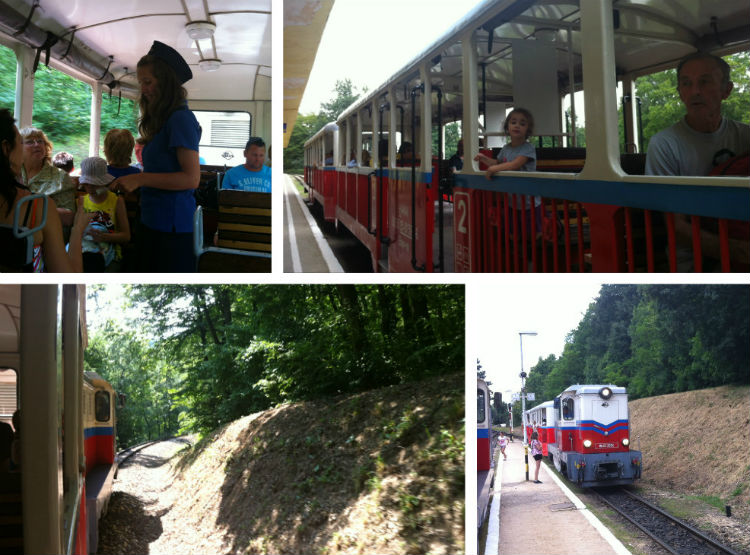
point(671, 533)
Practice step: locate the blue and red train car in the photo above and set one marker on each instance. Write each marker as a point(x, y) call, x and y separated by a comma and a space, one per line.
point(485, 463)
point(50, 500)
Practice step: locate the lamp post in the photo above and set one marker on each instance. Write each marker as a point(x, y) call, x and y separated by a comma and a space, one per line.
point(523, 385)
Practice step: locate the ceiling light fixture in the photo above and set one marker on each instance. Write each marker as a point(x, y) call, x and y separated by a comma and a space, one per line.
point(199, 30)
point(211, 64)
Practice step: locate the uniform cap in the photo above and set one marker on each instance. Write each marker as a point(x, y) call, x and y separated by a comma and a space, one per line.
point(94, 171)
point(172, 58)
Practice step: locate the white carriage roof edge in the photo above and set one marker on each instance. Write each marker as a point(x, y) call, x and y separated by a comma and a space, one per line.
point(141, 22)
point(518, 7)
point(327, 128)
point(478, 12)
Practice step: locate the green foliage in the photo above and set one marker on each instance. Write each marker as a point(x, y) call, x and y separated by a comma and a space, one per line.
point(220, 352)
point(661, 105)
point(308, 124)
point(62, 107)
point(654, 339)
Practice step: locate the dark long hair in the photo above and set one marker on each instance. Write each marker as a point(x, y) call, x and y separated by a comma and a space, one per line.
point(7, 178)
point(171, 96)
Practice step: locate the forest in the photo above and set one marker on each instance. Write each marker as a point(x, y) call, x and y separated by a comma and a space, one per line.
point(653, 339)
point(199, 356)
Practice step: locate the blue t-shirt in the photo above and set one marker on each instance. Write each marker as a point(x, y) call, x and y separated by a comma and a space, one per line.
point(240, 178)
point(161, 210)
point(119, 172)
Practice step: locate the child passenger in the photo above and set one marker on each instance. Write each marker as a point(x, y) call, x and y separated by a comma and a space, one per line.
point(518, 155)
point(109, 227)
point(503, 444)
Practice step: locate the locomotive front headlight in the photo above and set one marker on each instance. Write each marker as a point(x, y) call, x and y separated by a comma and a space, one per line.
point(626, 442)
point(587, 443)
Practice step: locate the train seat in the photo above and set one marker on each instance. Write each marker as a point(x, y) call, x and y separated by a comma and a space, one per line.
point(98, 487)
point(11, 519)
point(244, 234)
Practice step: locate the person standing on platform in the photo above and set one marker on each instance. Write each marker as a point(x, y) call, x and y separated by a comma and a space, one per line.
point(503, 441)
point(536, 452)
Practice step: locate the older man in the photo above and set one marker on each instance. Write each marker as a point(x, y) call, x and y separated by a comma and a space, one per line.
point(700, 141)
point(703, 138)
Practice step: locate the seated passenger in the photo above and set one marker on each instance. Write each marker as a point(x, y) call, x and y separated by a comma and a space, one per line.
point(49, 249)
point(253, 176)
point(40, 176)
point(405, 153)
point(456, 162)
point(118, 150)
point(518, 155)
point(109, 226)
point(329, 159)
point(64, 161)
point(697, 143)
point(365, 158)
point(352, 160)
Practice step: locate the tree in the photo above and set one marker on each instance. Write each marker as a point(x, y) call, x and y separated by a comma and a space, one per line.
point(661, 105)
point(218, 352)
point(308, 124)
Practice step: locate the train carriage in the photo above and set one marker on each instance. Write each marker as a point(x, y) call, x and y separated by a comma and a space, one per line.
point(594, 210)
point(485, 463)
point(50, 499)
point(541, 419)
point(592, 436)
point(227, 45)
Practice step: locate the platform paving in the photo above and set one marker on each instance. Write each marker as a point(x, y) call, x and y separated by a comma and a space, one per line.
point(544, 518)
point(305, 249)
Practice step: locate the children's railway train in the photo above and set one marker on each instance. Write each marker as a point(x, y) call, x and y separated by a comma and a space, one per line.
point(585, 432)
point(594, 210)
point(57, 484)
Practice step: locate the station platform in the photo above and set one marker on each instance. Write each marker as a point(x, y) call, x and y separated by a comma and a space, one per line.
point(305, 249)
point(544, 518)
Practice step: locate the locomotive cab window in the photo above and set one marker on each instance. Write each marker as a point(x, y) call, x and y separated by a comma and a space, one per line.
point(480, 406)
point(568, 412)
point(101, 402)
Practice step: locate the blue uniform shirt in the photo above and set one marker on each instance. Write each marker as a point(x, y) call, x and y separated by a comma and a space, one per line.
point(241, 179)
point(161, 210)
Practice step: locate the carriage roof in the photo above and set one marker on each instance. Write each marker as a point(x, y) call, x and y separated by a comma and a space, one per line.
point(650, 36)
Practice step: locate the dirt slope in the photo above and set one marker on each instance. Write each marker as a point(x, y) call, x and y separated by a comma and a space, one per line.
point(697, 441)
point(378, 472)
point(696, 457)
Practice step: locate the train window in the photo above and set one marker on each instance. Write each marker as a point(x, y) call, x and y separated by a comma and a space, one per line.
point(8, 395)
point(568, 411)
point(224, 136)
point(7, 78)
point(101, 400)
point(480, 406)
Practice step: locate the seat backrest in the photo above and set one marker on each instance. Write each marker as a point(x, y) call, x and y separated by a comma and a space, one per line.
point(244, 221)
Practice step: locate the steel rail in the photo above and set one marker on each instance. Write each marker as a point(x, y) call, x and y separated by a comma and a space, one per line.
point(672, 519)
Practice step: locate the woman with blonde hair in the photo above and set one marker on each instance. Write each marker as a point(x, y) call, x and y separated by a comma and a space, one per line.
point(41, 177)
point(49, 249)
